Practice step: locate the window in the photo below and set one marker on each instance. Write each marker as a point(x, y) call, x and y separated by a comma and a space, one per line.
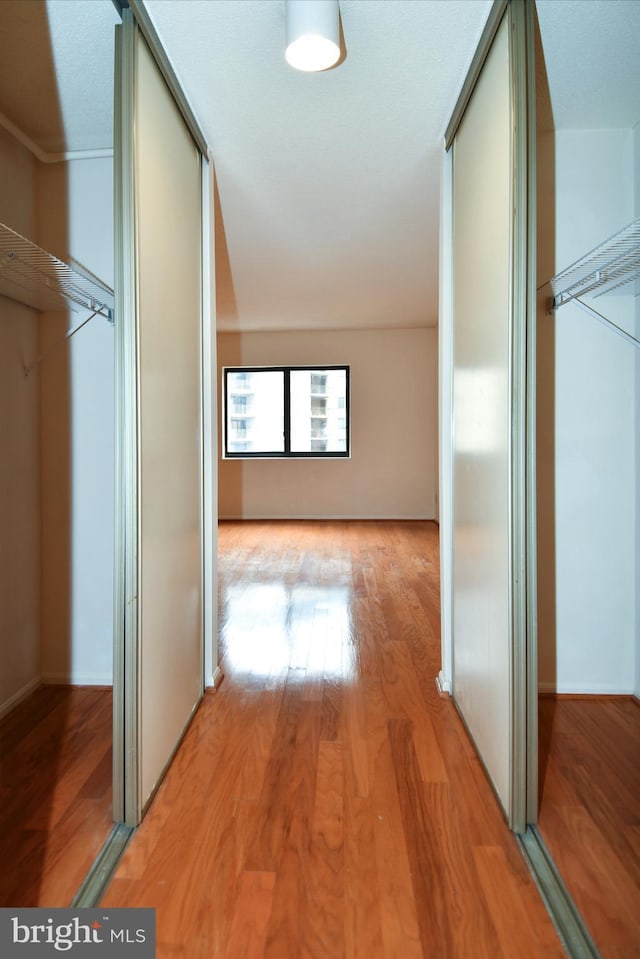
point(286, 411)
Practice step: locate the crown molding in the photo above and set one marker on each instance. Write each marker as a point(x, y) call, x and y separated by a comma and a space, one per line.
point(42, 155)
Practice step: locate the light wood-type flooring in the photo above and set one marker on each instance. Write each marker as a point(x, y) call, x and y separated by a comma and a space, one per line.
point(55, 793)
point(326, 802)
point(590, 812)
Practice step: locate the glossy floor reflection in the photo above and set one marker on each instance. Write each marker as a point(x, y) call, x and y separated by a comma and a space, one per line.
point(270, 627)
point(326, 803)
point(55, 793)
point(291, 608)
point(590, 811)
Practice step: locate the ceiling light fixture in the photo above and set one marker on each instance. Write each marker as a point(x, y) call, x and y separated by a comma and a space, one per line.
point(313, 34)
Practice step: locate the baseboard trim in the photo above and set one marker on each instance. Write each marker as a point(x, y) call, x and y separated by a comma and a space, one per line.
point(214, 681)
point(311, 518)
point(18, 696)
point(591, 697)
point(76, 679)
point(552, 689)
point(443, 685)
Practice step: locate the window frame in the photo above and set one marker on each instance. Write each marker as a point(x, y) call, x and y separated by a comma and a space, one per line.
point(287, 453)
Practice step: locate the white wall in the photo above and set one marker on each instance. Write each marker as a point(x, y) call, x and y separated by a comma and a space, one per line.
point(19, 474)
point(392, 470)
point(588, 437)
point(75, 210)
point(636, 203)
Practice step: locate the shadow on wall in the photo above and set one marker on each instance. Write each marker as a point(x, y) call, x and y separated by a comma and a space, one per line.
point(230, 501)
point(230, 488)
point(37, 537)
point(56, 452)
point(226, 305)
point(545, 412)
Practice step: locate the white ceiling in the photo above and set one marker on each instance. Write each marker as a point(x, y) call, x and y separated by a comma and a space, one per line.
point(328, 184)
point(56, 71)
point(592, 58)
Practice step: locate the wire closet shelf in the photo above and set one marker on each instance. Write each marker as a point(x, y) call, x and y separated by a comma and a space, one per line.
point(40, 280)
point(609, 267)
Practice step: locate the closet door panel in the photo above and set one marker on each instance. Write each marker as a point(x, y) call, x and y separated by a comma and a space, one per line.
point(158, 671)
point(493, 569)
point(493, 574)
point(482, 200)
point(168, 177)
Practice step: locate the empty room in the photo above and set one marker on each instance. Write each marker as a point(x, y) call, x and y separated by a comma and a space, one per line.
point(319, 342)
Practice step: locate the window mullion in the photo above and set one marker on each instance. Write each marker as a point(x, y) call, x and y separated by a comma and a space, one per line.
point(287, 411)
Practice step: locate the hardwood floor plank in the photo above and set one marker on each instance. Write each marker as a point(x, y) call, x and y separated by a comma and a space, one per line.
point(509, 908)
point(251, 916)
point(612, 815)
point(55, 814)
point(261, 709)
point(356, 730)
point(412, 705)
point(398, 909)
point(362, 919)
point(292, 842)
point(99, 782)
point(328, 818)
point(322, 927)
point(584, 859)
point(453, 919)
point(590, 811)
point(326, 802)
point(72, 847)
point(277, 800)
point(332, 710)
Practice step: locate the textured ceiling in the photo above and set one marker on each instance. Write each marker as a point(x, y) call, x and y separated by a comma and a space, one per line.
point(592, 58)
point(56, 72)
point(328, 184)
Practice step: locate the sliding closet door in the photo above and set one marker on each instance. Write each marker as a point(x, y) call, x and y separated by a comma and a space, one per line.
point(490, 631)
point(159, 316)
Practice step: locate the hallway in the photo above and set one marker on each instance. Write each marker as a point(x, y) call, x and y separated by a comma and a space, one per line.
point(326, 802)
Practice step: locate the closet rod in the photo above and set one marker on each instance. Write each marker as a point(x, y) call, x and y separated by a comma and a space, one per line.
point(607, 322)
point(610, 266)
point(62, 339)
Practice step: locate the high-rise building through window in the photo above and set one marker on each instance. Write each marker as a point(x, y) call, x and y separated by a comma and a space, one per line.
point(286, 411)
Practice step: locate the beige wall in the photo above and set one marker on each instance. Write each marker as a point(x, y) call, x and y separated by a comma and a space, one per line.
point(19, 482)
point(56, 430)
point(392, 470)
